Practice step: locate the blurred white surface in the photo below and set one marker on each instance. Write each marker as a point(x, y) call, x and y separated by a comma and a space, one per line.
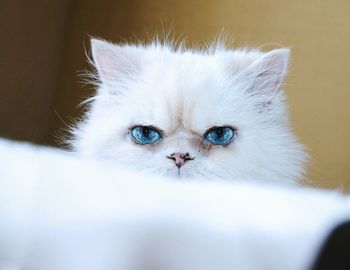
point(58, 211)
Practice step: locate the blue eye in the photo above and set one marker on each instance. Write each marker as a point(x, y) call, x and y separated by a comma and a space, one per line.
point(220, 135)
point(145, 135)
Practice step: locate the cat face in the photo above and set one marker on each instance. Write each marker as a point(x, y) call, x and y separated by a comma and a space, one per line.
point(217, 115)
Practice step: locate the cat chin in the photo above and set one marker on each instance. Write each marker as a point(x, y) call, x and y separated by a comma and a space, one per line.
point(180, 174)
point(185, 174)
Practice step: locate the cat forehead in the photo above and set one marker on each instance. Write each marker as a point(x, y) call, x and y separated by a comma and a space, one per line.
point(192, 103)
point(191, 71)
point(170, 114)
point(162, 86)
point(187, 88)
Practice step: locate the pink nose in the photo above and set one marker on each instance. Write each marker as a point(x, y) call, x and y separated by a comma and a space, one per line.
point(180, 159)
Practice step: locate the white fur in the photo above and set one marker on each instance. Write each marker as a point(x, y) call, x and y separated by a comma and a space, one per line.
point(185, 92)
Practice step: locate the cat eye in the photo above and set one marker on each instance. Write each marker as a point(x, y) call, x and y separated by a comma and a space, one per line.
point(145, 135)
point(220, 135)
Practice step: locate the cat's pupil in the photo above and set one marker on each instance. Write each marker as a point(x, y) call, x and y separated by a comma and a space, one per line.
point(145, 131)
point(219, 132)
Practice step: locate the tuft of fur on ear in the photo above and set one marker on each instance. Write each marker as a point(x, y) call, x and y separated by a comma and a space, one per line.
point(114, 62)
point(266, 74)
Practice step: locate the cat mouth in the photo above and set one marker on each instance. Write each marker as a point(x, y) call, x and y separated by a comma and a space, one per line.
point(178, 173)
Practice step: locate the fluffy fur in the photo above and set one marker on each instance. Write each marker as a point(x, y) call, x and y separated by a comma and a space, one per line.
point(183, 92)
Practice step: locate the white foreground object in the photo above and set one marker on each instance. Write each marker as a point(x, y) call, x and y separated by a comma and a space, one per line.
point(61, 212)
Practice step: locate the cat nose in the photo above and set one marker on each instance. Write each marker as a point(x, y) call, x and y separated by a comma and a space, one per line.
point(180, 159)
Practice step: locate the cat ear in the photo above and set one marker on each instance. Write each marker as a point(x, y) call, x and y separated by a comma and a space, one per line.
point(266, 74)
point(114, 62)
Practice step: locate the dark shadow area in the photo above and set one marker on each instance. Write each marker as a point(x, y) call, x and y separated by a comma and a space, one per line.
point(335, 253)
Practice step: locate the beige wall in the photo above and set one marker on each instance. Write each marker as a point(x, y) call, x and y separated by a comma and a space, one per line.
point(318, 31)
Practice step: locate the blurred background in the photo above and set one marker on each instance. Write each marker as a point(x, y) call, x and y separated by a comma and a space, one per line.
point(42, 47)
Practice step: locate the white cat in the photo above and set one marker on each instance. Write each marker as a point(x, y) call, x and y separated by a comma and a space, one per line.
point(215, 113)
